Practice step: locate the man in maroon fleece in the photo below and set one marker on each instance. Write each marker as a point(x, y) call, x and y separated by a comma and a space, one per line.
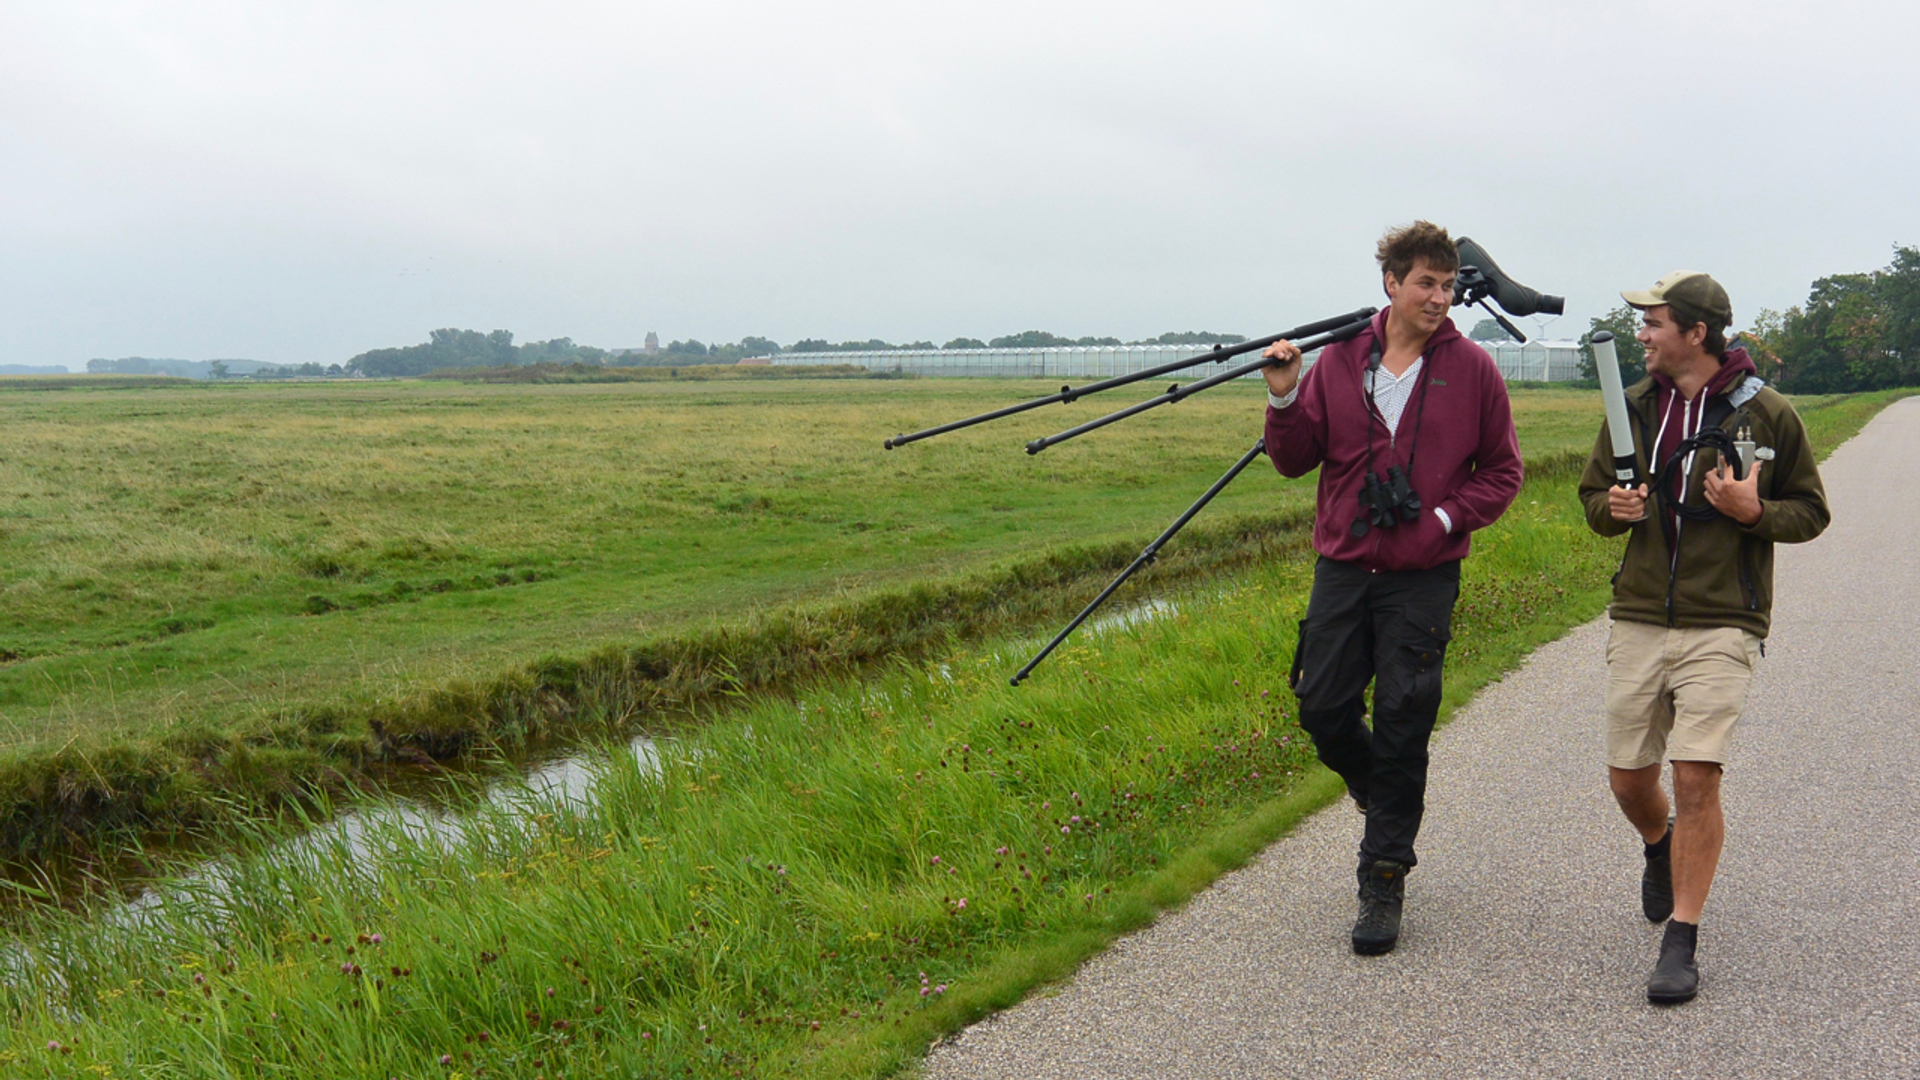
point(1409, 408)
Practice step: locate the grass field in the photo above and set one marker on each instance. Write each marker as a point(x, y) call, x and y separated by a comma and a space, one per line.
point(813, 888)
point(816, 887)
point(776, 901)
point(204, 574)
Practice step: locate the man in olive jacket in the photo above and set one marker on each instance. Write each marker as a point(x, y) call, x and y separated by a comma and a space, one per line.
point(1694, 595)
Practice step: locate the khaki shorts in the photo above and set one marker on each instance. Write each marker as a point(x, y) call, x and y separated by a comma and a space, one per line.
point(1675, 693)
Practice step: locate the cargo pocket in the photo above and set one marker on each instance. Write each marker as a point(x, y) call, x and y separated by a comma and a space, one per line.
point(1299, 645)
point(1423, 647)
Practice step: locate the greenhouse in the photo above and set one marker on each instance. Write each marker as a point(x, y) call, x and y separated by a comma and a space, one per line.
point(1536, 361)
point(1074, 362)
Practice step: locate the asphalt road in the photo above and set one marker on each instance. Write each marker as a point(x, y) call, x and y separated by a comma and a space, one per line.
point(1524, 952)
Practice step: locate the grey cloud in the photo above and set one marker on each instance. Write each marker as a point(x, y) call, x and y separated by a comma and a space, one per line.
point(299, 183)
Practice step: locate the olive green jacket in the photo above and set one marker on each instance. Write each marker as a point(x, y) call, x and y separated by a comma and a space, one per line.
point(1724, 575)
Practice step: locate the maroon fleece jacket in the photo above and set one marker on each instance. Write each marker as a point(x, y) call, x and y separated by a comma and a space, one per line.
point(1466, 461)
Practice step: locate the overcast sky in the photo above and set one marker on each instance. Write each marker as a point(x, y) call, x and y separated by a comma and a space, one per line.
point(294, 182)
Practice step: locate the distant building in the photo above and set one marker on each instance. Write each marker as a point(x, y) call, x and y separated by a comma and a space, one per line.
point(1536, 361)
point(653, 343)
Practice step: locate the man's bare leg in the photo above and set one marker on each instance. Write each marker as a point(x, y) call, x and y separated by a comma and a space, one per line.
point(1642, 799)
point(1699, 830)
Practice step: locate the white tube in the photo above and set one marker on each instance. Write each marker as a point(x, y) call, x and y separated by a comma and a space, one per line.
point(1614, 396)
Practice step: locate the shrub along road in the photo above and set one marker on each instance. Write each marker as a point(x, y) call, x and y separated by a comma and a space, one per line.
point(1524, 952)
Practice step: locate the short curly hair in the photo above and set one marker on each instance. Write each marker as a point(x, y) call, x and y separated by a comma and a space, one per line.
point(1422, 241)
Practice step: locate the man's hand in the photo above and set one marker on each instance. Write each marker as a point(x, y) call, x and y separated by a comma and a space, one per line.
point(1627, 504)
point(1285, 375)
point(1738, 499)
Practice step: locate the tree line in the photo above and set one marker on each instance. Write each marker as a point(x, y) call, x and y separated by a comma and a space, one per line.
point(1856, 332)
point(451, 348)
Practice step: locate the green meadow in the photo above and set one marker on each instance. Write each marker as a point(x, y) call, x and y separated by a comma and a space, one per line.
point(820, 878)
point(815, 884)
point(212, 592)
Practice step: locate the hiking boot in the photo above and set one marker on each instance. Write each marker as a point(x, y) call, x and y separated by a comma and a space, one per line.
point(1656, 881)
point(1383, 890)
point(1675, 978)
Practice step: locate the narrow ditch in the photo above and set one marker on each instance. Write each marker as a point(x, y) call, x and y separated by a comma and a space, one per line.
point(82, 824)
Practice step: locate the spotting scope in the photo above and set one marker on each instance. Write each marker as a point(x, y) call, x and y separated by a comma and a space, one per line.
point(1481, 277)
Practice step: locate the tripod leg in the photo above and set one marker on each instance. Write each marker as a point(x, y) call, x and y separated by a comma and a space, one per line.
point(1146, 556)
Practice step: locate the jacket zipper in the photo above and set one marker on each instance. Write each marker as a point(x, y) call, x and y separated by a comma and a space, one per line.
point(1673, 573)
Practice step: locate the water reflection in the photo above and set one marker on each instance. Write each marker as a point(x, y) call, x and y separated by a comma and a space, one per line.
point(363, 835)
point(1133, 616)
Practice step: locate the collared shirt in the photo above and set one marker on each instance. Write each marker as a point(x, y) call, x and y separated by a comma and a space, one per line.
point(1390, 393)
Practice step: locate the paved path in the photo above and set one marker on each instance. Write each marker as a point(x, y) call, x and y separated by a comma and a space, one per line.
point(1524, 952)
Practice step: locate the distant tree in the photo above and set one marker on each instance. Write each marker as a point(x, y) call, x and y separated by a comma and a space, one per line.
point(758, 346)
point(689, 347)
point(811, 345)
point(1195, 337)
point(1098, 341)
point(131, 365)
point(965, 343)
point(1623, 322)
point(453, 348)
point(216, 370)
point(1487, 330)
point(335, 370)
point(1764, 341)
point(1857, 332)
point(1030, 339)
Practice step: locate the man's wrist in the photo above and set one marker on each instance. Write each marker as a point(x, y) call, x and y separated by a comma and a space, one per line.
point(1446, 521)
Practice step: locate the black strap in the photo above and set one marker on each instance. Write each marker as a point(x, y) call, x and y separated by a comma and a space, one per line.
point(1713, 435)
point(1368, 380)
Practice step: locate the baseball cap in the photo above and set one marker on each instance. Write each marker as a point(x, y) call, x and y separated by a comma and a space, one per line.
point(1691, 289)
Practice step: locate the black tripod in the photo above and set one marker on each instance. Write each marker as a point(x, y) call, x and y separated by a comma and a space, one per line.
point(1479, 278)
point(1307, 338)
point(1146, 556)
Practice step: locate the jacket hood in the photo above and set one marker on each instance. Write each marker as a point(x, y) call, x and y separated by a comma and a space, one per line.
point(1735, 365)
point(1446, 332)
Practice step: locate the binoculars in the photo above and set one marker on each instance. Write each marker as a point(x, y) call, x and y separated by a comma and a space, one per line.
point(1386, 503)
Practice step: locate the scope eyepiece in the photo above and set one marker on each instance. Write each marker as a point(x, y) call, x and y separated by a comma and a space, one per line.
point(1514, 298)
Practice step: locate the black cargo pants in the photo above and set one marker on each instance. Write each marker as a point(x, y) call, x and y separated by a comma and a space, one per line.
point(1389, 628)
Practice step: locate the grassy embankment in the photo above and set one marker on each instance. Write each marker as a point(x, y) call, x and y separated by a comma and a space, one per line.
point(804, 890)
point(209, 594)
